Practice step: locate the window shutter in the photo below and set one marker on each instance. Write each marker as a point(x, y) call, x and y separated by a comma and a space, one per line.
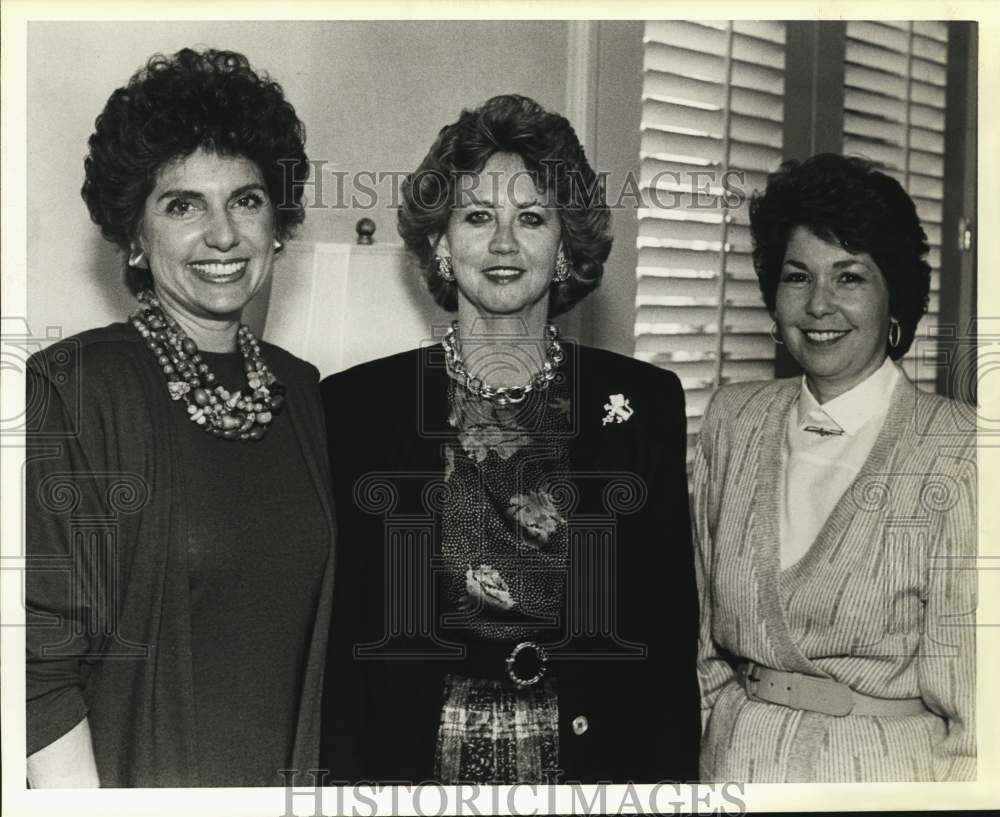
point(713, 105)
point(894, 104)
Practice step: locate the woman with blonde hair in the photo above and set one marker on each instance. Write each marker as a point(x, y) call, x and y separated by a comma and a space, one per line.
point(517, 597)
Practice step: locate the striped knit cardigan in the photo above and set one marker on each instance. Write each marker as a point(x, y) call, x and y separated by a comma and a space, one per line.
point(883, 601)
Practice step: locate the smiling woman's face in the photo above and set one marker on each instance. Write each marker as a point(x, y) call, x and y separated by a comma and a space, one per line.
point(832, 308)
point(208, 233)
point(503, 238)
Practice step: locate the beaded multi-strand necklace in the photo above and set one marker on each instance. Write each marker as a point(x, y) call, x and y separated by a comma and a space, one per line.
point(230, 415)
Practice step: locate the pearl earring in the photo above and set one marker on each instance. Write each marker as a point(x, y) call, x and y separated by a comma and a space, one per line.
point(136, 258)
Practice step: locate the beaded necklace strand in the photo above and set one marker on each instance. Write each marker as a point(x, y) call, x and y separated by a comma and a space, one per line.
point(232, 416)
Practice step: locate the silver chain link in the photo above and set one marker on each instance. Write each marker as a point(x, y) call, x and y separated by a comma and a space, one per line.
point(503, 395)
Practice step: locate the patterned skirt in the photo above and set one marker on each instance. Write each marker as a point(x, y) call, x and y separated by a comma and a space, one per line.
point(493, 733)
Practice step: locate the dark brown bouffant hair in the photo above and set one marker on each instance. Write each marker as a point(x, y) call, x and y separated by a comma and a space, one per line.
point(170, 108)
point(845, 201)
point(553, 156)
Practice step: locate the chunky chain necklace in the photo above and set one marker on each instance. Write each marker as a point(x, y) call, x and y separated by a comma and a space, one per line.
point(232, 416)
point(503, 395)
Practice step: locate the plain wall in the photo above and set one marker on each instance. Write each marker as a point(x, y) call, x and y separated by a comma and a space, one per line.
point(373, 96)
point(608, 315)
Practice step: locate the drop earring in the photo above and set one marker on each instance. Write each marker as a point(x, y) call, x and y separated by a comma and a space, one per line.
point(444, 268)
point(561, 268)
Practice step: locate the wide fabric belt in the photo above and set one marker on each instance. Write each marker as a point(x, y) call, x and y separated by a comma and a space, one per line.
point(814, 694)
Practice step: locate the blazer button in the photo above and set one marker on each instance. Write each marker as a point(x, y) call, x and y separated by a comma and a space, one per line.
point(580, 724)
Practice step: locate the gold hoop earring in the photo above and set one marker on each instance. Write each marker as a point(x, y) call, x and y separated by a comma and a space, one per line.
point(775, 333)
point(895, 333)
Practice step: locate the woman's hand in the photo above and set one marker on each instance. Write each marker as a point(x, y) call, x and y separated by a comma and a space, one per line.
point(66, 763)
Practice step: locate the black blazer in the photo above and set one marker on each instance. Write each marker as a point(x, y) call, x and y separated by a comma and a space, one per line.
point(630, 671)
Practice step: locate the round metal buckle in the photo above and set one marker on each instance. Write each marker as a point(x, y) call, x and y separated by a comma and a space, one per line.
point(540, 655)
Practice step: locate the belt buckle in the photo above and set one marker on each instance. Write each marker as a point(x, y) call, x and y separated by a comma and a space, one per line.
point(541, 657)
point(750, 680)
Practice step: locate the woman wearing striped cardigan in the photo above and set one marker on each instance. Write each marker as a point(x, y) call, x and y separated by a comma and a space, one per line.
point(835, 514)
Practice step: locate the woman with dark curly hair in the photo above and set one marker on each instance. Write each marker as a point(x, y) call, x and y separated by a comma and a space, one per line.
point(179, 530)
point(833, 512)
point(520, 605)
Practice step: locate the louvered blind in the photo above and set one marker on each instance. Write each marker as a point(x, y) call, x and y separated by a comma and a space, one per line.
point(712, 104)
point(894, 105)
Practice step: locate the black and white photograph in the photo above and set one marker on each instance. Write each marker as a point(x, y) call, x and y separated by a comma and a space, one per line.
point(530, 411)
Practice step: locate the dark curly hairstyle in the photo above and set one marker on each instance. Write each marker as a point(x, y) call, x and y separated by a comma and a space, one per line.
point(558, 165)
point(846, 201)
point(172, 107)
